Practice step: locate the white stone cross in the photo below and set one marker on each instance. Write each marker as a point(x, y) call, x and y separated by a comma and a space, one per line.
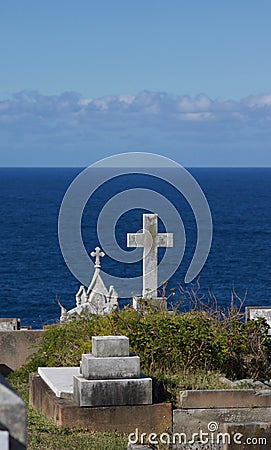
point(150, 240)
point(97, 254)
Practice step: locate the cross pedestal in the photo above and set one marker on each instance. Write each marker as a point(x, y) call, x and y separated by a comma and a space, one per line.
point(150, 240)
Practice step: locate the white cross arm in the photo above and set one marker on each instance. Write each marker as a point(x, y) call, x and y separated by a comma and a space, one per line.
point(164, 240)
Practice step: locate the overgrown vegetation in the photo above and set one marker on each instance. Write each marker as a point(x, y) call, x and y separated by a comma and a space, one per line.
point(171, 345)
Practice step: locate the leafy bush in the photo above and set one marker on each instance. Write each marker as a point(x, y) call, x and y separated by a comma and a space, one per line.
point(167, 342)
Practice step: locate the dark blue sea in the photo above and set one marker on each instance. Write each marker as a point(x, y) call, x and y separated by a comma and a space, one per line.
point(33, 273)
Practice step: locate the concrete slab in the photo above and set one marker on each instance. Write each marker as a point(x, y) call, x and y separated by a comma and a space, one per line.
point(104, 346)
point(225, 398)
point(190, 421)
point(112, 392)
point(107, 368)
point(59, 379)
point(156, 418)
point(255, 435)
point(17, 346)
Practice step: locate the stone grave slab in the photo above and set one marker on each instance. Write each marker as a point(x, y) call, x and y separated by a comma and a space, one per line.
point(59, 379)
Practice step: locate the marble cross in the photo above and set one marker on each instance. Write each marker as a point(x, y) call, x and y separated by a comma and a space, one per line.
point(97, 254)
point(150, 240)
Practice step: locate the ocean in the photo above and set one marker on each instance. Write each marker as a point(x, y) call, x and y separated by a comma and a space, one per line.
point(34, 275)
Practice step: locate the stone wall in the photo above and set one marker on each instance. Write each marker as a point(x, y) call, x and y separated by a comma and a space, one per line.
point(16, 347)
point(203, 415)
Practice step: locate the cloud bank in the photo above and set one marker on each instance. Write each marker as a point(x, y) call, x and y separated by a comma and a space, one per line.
point(68, 125)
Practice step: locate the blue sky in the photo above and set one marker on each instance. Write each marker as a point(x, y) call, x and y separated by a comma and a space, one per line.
point(81, 80)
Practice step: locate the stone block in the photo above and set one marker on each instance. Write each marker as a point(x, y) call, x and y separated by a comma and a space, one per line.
point(16, 347)
point(112, 392)
point(9, 324)
point(12, 416)
point(109, 346)
point(59, 379)
point(107, 368)
point(190, 421)
point(65, 412)
point(249, 435)
point(225, 398)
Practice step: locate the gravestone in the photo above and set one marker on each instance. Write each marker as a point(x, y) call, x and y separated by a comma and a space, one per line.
point(106, 393)
point(150, 240)
point(255, 312)
point(110, 377)
point(9, 324)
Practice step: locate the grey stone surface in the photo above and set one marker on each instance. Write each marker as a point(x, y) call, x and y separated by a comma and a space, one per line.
point(12, 415)
point(9, 324)
point(59, 379)
point(112, 392)
point(93, 368)
point(109, 346)
point(191, 420)
point(256, 436)
point(225, 398)
point(139, 447)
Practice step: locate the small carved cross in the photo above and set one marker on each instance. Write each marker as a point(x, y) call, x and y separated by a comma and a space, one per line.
point(98, 254)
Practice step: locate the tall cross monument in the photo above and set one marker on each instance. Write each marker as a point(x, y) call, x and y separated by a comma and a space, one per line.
point(150, 240)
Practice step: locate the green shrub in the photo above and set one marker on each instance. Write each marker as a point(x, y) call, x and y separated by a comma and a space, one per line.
point(167, 342)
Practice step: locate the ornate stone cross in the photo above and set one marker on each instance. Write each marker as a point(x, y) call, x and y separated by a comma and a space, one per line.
point(98, 254)
point(150, 240)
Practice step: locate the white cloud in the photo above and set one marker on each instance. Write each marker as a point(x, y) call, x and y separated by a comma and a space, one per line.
point(148, 120)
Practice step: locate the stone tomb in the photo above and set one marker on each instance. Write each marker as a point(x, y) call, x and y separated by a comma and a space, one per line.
point(106, 393)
